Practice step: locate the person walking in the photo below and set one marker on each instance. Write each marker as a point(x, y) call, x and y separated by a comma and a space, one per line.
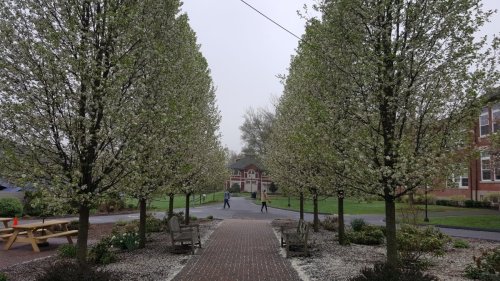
point(264, 199)
point(227, 196)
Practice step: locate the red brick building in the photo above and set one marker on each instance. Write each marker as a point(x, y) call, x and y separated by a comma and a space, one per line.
point(249, 174)
point(482, 175)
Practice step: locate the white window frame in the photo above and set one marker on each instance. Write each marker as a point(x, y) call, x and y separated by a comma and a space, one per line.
point(457, 181)
point(495, 109)
point(460, 179)
point(486, 125)
point(486, 156)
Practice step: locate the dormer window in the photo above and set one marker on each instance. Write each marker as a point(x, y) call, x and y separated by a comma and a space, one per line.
point(484, 123)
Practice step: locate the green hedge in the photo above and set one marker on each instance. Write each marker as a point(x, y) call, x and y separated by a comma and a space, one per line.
point(10, 207)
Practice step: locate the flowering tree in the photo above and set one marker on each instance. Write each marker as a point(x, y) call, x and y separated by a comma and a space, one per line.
point(72, 76)
point(398, 71)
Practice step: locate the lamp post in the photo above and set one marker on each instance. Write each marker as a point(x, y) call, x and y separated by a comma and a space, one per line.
point(426, 219)
point(288, 201)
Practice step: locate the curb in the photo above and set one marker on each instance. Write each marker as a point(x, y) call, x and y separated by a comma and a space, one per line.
point(465, 228)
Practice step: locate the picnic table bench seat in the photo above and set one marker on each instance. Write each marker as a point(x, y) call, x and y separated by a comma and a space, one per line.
point(68, 234)
point(6, 230)
point(296, 241)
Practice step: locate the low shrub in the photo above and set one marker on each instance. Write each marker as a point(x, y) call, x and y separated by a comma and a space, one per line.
point(330, 223)
point(469, 203)
point(70, 271)
point(452, 203)
point(193, 218)
point(387, 272)
point(460, 244)
point(67, 251)
point(112, 203)
point(358, 224)
point(3, 277)
point(414, 242)
point(368, 235)
point(73, 225)
point(153, 224)
point(493, 197)
point(100, 253)
point(121, 227)
point(477, 204)
point(486, 267)
point(126, 241)
point(235, 188)
point(10, 207)
point(210, 217)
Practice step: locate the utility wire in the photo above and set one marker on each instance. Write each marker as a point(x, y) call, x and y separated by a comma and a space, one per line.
point(271, 20)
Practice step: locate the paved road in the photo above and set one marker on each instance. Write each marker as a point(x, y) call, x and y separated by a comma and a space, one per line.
point(244, 208)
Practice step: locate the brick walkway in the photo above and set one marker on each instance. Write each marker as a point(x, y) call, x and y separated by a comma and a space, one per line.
point(240, 250)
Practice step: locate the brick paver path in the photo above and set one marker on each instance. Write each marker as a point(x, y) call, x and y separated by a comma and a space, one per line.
point(240, 250)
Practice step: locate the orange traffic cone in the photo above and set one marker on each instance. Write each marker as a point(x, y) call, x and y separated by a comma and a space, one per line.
point(15, 221)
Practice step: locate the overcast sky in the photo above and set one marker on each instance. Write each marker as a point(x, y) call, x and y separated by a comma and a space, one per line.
point(246, 52)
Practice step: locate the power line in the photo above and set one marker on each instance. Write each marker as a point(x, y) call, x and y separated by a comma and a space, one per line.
point(271, 20)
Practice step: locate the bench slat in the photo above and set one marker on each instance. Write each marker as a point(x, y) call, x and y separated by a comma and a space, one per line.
point(58, 234)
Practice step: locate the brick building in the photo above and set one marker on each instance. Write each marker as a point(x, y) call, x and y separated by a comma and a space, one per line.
point(249, 173)
point(480, 176)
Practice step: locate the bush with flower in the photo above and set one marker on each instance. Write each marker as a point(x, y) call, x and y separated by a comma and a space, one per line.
point(125, 241)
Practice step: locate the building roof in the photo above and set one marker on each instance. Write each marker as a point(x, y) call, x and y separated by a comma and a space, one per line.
point(246, 161)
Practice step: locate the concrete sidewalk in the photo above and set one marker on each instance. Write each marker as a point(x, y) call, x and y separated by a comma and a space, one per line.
point(240, 250)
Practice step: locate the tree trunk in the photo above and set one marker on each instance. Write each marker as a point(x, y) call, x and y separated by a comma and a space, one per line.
point(390, 224)
point(83, 234)
point(186, 219)
point(142, 223)
point(342, 238)
point(316, 217)
point(171, 205)
point(301, 200)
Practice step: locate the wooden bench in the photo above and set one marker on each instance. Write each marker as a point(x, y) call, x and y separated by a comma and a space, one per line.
point(183, 233)
point(295, 242)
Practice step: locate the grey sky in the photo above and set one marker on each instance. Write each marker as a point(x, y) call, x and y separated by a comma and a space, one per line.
point(246, 52)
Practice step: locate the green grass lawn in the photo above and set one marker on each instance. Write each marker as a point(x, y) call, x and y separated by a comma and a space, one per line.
point(486, 222)
point(161, 203)
point(354, 207)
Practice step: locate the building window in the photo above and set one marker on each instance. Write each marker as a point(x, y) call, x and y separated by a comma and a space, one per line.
point(484, 123)
point(485, 166)
point(459, 181)
point(251, 174)
point(236, 172)
point(495, 117)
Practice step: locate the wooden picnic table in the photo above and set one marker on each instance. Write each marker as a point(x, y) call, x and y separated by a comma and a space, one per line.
point(39, 232)
point(6, 221)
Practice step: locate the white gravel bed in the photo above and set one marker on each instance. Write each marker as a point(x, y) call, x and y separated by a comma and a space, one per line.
point(155, 262)
point(330, 261)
